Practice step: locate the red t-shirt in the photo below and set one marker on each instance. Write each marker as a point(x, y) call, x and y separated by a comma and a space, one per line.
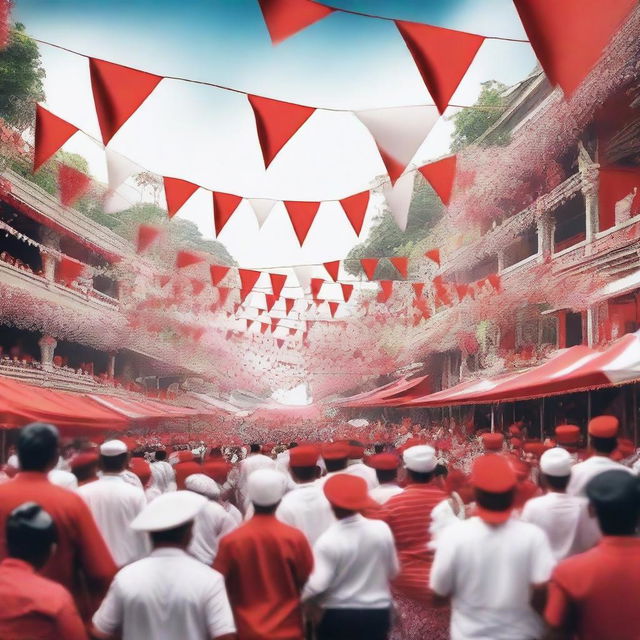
point(265, 564)
point(81, 561)
point(34, 607)
point(595, 593)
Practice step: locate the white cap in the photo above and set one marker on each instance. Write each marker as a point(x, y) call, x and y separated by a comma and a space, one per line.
point(421, 458)
point(113, 448)
point(203, 484)
point(168, 511)
point(266, 487)
point(556, 462)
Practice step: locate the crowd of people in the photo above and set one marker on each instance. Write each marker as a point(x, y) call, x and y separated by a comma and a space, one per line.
point(496, 537)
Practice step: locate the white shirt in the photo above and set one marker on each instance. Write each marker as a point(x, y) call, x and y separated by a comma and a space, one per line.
point(307, 509)
point(64, 479)
point(488, 571)
point(354, 560)
point(166, 596)
point(584, 471)
point(358, 468)
point(114, 503)
point(566, 521)
point(211, 523)
point(251, 463)
point(383, 492)
point(233, 512)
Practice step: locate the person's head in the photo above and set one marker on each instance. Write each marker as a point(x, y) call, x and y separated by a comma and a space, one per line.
point(420, 463)
point(441, 470)
point(176, 537)
point(31, 534)
point(335, 456)
point(114, 456)
point(385, 465)
point(265, 488)
point(356, 450)
point(555, 465)
point(347, 494)
point(303, 463)
point(293, 445)
point(38, 447)
point(84, 466)
point(160, 455)
point(254, 447)
point(603, 433)
point(604, 446)
point(204, 485)
point(494, 481)
point(614, 497)
point(378, 447)
point(568, 436)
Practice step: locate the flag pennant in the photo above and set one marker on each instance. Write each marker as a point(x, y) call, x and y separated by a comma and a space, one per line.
point(279, 342)
point(262, 208)
point(333, 307)
point(398, 133)
point(495, 281)
point(288, 305)
point(51, 133)
point(147, 235)
point(277, 283)
point(316, 285)
point(248, 279)
point(197, 286)
point(249, 323)
point(440, 175)
point(276, 123)
point(284, 18)
point(399, 197)
point(72, 184)
point(177, 192)
point(386, 288)
point(302, 215)
point(120, 168)
point(224, 205)
point(434, 255)
point(347, 290)
point(264, 327)
point(355, 208)
point(292, 331)
point(441, 55)
point(401, 264)
point(303, 275)
point(271, 300)
point(163, 281)
point(462, 290)
point(369, 266)
point(332, 269)
point(188, 258)
point(218, 273)
point(569, 37)
point(418, 289)
point(118, 92)
point(69, 270)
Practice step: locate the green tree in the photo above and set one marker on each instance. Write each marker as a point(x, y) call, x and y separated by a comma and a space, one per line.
point(21, 76)
point(470, 123)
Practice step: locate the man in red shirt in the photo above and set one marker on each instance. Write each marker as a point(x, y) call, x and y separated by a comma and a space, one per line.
point(33, 607)
point(593, 595)
point(81, 561)
point(265, 564)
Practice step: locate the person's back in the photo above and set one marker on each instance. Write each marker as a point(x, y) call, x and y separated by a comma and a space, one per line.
point(210, 525)
point(307, 509)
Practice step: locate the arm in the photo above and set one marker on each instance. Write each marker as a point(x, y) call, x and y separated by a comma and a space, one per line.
point(68, 622)
point(443, 574)
point(107, 620)
point(305, 565)
point(323, 571)
point(218, 611)
point(558, 612)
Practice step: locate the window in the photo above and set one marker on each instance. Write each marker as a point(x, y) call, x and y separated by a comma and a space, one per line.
point(570, 223)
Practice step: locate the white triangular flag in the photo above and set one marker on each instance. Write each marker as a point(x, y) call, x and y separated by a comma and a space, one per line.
point(399, 197)
point(262, 208)
point(115, 202)
point(303, 274)
point(120, 168)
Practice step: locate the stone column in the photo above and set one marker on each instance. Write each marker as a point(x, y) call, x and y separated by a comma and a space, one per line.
point(51, 239)
point(546, 228)
point(111, 365)
point(47, 346)
point(589, 179)
point(592, 325)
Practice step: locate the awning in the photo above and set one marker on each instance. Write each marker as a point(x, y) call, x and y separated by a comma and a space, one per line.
point(141, 410)
point(390, 395)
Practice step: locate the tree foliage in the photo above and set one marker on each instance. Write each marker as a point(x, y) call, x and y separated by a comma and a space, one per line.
point(470, 123)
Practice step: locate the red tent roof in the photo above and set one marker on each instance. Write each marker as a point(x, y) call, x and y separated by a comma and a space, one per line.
point(143, 409)
point(404, 391)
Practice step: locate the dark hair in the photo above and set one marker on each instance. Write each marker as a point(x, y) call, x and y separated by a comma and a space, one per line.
point(265, 510)
point(114, 464)
point(495, 501)
point(341, 513)
point(336, 465)
point(254, 447)
point(378, 447)
point(419, 477)
point(293, 445)
point(38, 446)
point(177, 535)
point(558, 483)
point(30, 532)
point(161, 455)
point(604, 445)
point(615, 497)
point(441, 470)
point(304, 474)
point(386, 475)
point(86, 471)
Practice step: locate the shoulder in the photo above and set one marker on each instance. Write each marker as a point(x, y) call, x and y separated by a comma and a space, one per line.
point(378, 527)
point(571, 569)
point(525, 531)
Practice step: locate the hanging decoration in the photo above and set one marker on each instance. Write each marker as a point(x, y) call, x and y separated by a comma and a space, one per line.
point(355, 208)
point(177, 192)
point(440, 176)
point(285, 18)
point(72, 184)
point(302, 215)
point(224, 205)
point(51, 133)
point(147, 235)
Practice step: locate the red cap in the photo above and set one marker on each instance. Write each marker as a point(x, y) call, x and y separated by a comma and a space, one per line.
point(84, 459)
point(356, 452)
point(217, 469)
point(493, 474)
point(567, 434)
point(141, 468)
point(492, 441)
point(186, 456)
point(521, 468)
point(335, 451)
point(626, 447)
point(384, 461)
point(515, 430)
point(348, 492)
point(306, 456)
point(516, 443)
point(604, 427)
point(534, 447)
point(184, 470)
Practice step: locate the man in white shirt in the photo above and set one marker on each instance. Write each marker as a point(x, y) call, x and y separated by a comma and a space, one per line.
point(254, 461)
point(336, 457)
point(564, 518)
point(357, 467)
point(493, 567)
point(169, 594)
point(211, 523)
point(386, 467)
point(355, 560)
point(114, 503)
point(306, 507)
point(603, 432)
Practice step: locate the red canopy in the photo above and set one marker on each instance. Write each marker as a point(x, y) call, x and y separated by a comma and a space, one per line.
point(143, 409)
point(395, 390)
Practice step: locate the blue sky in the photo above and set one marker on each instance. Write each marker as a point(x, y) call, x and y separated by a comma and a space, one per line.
point(207, 136)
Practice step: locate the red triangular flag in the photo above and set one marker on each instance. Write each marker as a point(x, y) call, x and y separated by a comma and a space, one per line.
point(236, 307)
point(440, 175)
point(279, 342)
point(69, 270)
point(72, 184)
point(332, 269)
point(275, 322)
point(288, 304)
point(224, 204)
point(177, 192)
point(249, 323)
point(271, 300)
point(418, 288)
point(187, 258)
point(197, 286)
point(302, 215)
point(568, 37)
point(433, 254)
point(276, 123)
point(347, 290)
point(369, 266)
point(394, 167)
point(386, 287)
point(441, 55)
point(163, 281)
point(117, 93)
point(218, 272)
point(147, 235)
point(292, 331)
point(461, 290)
point(264, 327)
point(51, 133)
point(333, 307)
point(248, 279)
point(316, 285)
point(355, 208)
point(495, 281)
point(401, 264)
point(277, 283)
point(285, 18)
